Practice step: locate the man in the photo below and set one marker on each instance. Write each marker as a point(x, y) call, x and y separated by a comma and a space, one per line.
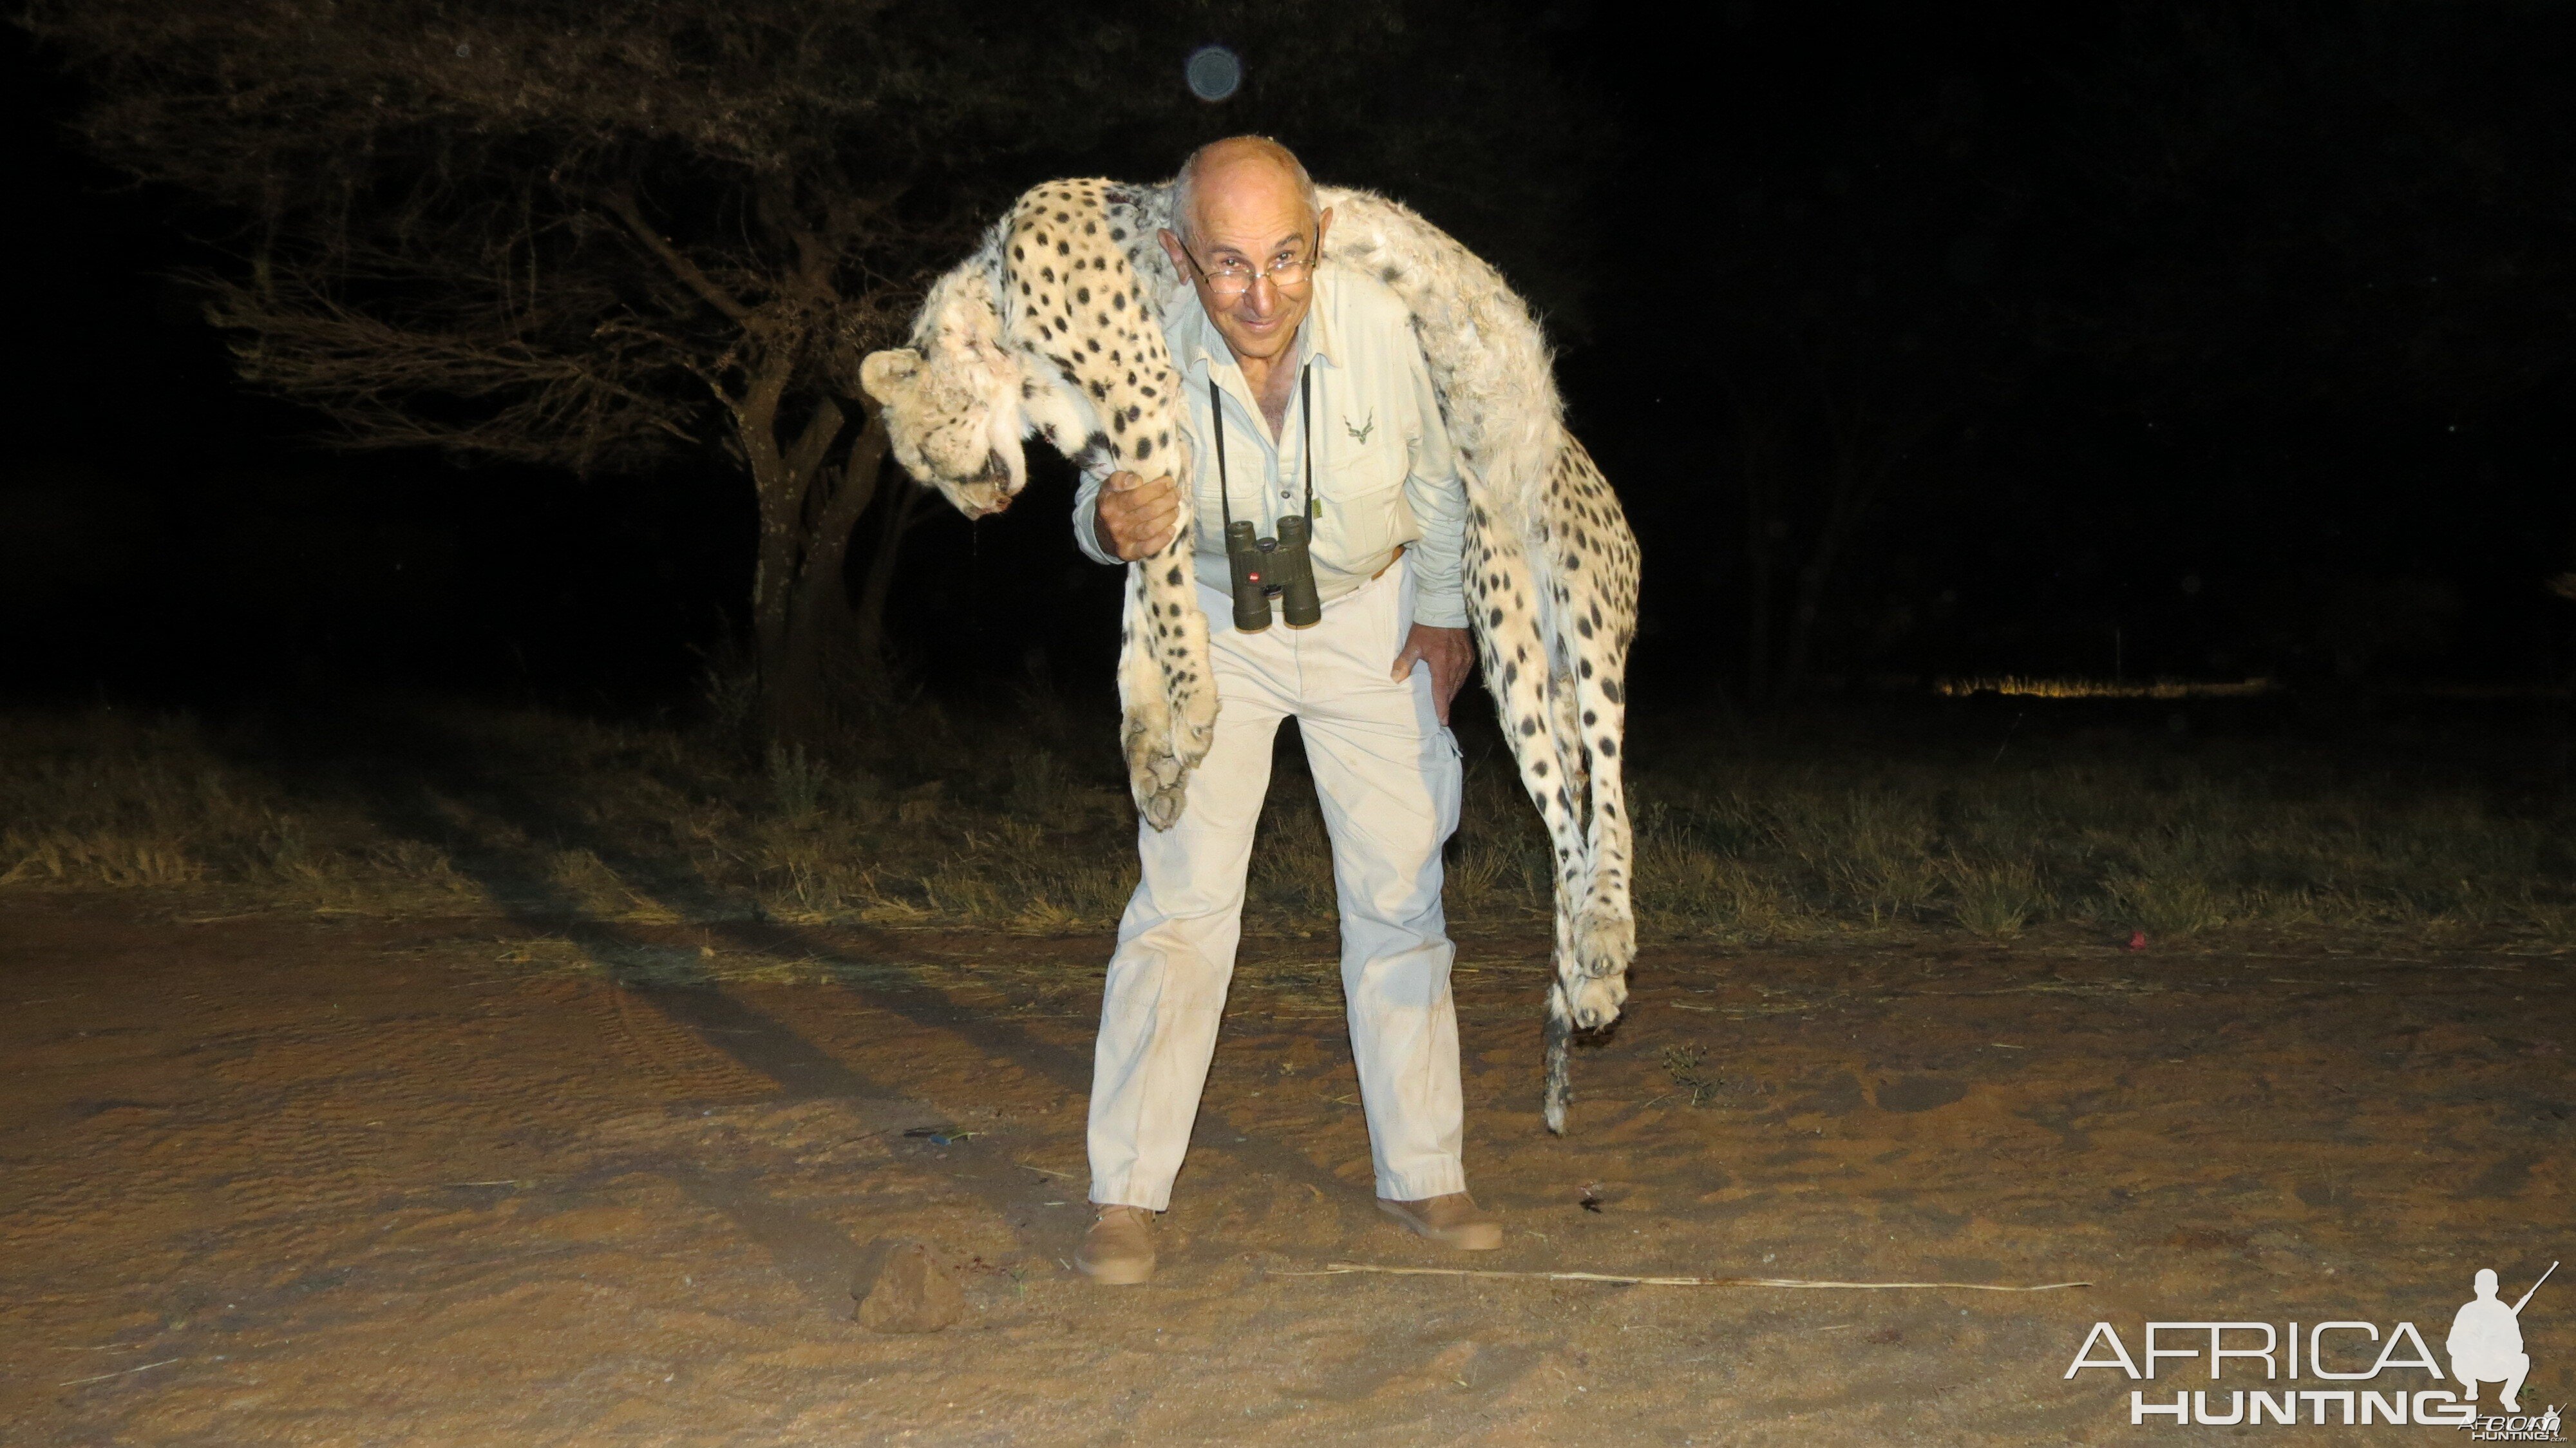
point(1279, 353)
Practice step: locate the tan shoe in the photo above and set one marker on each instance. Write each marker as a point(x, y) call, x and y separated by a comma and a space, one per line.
point(1118, 1251)
point(1452, 1221)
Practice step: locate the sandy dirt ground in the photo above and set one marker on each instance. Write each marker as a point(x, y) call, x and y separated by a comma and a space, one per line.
point(484, 1182)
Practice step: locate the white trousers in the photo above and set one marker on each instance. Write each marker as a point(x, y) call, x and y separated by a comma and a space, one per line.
point(1387, 773)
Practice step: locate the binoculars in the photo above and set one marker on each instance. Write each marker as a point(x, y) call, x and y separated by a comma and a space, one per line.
point(1267, 568)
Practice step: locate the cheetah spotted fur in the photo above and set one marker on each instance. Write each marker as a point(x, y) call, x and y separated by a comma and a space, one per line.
point(1051, 328)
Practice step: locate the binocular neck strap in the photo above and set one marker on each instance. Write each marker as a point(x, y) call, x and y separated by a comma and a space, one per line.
point(1306, 430)
point(1306, 433)
point(1224, 485)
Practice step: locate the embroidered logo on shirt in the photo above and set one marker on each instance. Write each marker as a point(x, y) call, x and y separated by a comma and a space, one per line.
point(1360, 434)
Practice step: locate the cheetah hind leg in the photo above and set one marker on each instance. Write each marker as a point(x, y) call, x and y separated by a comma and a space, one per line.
point(1605, 932)
point(1593, 945)
point(1595, 935)
point(1604, 938)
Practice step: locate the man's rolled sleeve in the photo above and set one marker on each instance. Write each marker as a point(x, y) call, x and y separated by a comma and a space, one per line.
point(1438, 499)
point(1086, 519)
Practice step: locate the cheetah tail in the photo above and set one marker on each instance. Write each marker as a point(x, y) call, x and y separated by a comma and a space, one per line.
point(1560, 1041)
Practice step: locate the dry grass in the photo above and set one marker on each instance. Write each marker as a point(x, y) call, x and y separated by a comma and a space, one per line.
point(2076, 688)
point(2118, 833)
point(459, 810)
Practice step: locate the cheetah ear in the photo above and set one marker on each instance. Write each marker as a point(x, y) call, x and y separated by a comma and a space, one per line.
point(886, 375)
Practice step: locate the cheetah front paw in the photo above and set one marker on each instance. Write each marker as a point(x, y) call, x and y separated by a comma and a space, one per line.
point(1163, 810)
point(1157, 778)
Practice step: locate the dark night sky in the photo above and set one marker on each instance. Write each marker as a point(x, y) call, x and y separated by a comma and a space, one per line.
point(2247, 342)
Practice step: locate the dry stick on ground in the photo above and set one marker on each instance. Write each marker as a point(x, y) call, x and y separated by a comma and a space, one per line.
point(120, 1372)
point(1336, 1269)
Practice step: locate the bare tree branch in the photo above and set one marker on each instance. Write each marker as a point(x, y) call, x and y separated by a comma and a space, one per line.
point(621, 204)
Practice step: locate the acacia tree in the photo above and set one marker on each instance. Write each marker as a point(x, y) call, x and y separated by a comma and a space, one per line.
point(593, 235)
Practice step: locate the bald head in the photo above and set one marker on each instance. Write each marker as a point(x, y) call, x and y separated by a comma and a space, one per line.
point(1245, 208)
point(1237, 174)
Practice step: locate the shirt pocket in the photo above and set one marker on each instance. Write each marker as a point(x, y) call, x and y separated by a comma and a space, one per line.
point(1363, 501)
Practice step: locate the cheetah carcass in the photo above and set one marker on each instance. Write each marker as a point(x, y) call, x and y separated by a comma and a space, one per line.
point(1051, 328)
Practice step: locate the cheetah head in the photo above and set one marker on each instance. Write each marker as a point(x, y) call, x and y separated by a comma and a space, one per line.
point(952, 399)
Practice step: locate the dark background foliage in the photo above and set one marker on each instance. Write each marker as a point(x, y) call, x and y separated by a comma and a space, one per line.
point(2195, 340)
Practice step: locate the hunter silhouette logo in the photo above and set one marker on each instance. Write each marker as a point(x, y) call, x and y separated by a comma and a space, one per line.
point(1360, 434)
point(2486, 1342)
point(2258, 1372)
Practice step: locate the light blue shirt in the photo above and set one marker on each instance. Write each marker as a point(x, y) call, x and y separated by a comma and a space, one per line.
point(1384, 473)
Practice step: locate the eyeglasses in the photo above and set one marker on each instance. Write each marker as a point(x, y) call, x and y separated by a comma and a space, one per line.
point(1228, 280)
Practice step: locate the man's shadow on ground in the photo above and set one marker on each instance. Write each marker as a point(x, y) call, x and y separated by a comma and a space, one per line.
point(408, 759)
